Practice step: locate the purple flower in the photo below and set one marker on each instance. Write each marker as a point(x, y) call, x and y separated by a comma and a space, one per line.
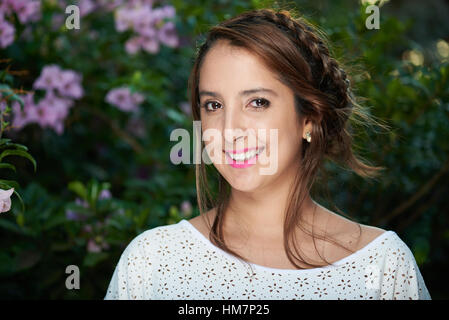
point(57, 20)
point(49, 78)
point(67, 82)
point(86, 7)
point(70, 84)
point(105, 194)
point(148, 24)
point(150, 44)
point(167, 35)
point(7, 32)
point(124, 18)
point(143, 21)
point(97, 244)
point(29, 113)
point(133, 45)
point(2, 105)
point(186, 208)
point(185, 107)
point(110, 5)
point(27, 10)
point(52, 111)
point(92, 246)
point(87, 228)
point(168, 11)
point(123, 99)
point(76, 216)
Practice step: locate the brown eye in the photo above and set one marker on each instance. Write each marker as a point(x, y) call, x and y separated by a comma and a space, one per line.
point(212, 106)
point(261, 103)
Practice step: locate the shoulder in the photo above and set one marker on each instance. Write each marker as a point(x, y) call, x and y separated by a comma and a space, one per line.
point(149, 241)
point(352, 234)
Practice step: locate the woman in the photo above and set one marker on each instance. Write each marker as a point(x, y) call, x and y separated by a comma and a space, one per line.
point(266, 72)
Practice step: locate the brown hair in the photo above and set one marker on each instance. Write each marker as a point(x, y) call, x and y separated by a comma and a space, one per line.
point(293, 50)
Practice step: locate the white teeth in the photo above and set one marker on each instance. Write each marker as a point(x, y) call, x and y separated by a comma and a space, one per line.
point(244, 155)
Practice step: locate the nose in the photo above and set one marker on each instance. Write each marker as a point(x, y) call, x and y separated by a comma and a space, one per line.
point(234, 127)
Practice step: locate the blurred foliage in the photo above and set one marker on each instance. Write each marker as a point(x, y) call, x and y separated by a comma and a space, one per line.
point(68, 221)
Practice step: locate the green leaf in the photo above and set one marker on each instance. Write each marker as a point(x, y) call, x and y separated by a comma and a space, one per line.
point(20, 219)
point(21, 201)
point(8, 225)
point(8, 184)
point(4, 140)
point(94, 191)
point(93, 258)
point(175, 116)
point(21, 153)
point(7, 166)
point(19, 146)
point(78, 188)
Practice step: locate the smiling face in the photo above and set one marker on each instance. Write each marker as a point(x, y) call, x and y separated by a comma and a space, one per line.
point(244, 102)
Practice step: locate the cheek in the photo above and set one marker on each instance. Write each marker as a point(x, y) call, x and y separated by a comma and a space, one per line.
point(289, 137)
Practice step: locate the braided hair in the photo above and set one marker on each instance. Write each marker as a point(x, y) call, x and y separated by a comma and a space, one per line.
point(298, 55)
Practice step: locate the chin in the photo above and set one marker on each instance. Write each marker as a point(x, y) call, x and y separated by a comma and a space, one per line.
point(244, 180)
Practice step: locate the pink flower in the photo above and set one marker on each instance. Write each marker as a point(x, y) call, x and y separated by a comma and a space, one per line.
point(87, 228)
point(29, 113)
point(124, 18)
point(97, 244)
point(27, 10)
point(110, 5)
point(76, 216)
point(49, 78)
point(7, 32)
point(143, 21)
point(66, 82)
point(185, 107)
point(57, 20)
point(133, 45)
point(167, 35)
point(150, 44)
point(92, 246)
point(52, 111)
point(86, 7)
point(123, 99)
point(105, 194)
point(5, 199)
point(148, 24)
point(168, 11)
point(70, 84)
point(186, 208)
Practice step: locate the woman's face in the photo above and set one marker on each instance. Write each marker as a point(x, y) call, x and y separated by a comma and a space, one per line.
point(239, 128)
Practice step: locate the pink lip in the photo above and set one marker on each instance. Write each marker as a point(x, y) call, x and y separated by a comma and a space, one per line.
point(241, 164)
point(240, 151)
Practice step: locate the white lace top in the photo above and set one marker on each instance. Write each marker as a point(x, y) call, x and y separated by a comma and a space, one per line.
point(178, 262)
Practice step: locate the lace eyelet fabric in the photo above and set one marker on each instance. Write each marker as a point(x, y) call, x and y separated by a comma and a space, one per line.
point(177, 262)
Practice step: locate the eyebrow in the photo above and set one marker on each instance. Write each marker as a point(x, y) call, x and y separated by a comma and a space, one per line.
point(241, 93)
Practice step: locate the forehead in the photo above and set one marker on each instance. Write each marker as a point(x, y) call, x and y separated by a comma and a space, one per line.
point(227, 67)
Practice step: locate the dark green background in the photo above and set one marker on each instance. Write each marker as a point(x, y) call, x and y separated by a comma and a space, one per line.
point(411, 197)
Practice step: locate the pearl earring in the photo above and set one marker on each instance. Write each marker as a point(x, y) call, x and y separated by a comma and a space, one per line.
point(309, 137)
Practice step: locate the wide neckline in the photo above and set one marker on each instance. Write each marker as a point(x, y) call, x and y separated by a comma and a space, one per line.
point(334, 265)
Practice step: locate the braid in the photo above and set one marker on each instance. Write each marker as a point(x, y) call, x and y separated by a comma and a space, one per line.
point(327, 75)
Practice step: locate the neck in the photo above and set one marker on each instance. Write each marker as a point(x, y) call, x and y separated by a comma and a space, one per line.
point(262, 213)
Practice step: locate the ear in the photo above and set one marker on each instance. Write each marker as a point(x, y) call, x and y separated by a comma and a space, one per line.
point(307, 127)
